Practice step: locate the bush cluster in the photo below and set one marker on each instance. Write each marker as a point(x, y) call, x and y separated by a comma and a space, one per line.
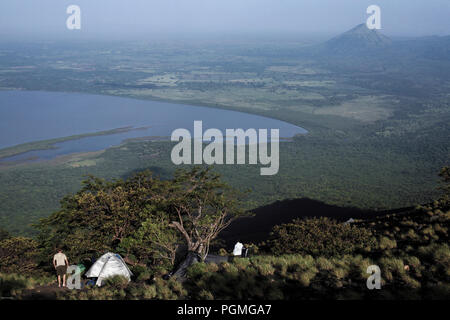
point(320, 236)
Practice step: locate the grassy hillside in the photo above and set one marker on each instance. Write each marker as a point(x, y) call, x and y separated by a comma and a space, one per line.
point(411, 249)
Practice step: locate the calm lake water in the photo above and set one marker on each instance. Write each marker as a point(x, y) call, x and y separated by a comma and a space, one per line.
point(27, 116)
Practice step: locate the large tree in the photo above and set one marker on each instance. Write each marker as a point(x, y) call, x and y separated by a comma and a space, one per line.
point(204, 206)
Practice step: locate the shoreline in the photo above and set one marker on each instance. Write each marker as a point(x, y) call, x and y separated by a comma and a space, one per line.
point(50, 143)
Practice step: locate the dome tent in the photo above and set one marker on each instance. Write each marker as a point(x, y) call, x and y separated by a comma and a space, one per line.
point(109, 265)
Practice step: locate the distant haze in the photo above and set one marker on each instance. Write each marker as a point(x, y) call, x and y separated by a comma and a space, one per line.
point(137, 18)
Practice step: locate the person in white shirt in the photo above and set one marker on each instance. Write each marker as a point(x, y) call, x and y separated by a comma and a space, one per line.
point(60, 262)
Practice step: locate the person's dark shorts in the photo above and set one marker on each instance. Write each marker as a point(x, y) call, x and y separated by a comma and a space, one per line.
point(61, 270)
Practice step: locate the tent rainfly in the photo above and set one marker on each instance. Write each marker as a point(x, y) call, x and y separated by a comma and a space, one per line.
point(109, 265)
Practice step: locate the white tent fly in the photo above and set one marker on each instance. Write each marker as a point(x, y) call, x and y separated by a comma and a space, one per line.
point(108, 265)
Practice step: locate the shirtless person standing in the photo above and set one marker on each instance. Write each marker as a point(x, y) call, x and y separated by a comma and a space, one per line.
point(60, 263)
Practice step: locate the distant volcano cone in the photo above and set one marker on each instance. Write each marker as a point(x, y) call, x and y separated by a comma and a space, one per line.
point(356, 40)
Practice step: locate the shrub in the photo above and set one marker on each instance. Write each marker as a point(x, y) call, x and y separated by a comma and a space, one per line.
point(386, 243)
point(169, 290)
point(206, 295)
point(149, 292)
point(116, 282)
point(266, 269)
point(241, 264)
point(141, 273)
point(324, 264)
point(319, 237)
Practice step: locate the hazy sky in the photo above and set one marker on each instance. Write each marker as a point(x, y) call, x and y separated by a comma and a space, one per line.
point(116, 18)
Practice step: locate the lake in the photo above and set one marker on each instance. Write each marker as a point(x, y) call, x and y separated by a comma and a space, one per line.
point(28, 116)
